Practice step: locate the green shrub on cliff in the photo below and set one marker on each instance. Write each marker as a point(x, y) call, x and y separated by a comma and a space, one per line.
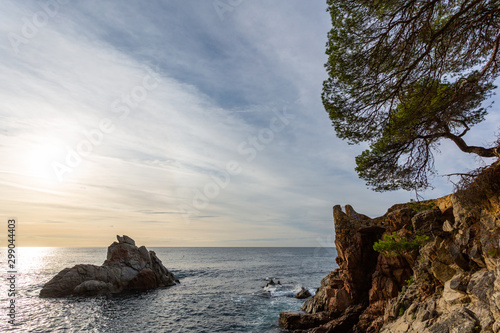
point(410, 281)
point(394, 244)
point(423, 205)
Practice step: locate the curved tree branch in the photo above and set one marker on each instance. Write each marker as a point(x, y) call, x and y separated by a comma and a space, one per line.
point(481, 151)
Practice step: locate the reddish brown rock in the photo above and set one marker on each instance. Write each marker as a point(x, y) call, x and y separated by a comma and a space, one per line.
point(450, 283)
point(303, 293)
point(146, 279)
point(127, 267)
point(298, 321)
point(355, 294)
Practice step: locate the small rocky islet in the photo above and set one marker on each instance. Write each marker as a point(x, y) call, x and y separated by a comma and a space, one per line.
point(126, 268)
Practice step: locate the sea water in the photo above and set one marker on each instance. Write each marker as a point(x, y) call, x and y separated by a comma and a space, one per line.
point(221, 290)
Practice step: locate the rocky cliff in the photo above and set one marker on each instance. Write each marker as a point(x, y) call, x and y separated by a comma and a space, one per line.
point(127, 267)
point(449, 282)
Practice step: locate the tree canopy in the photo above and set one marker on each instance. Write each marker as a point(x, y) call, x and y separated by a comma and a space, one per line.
point(404, 74)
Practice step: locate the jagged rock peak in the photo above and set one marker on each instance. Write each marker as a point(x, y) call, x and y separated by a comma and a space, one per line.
point(355, 215)
point(125, 239)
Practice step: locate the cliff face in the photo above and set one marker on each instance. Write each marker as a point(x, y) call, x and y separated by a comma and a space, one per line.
point(451, 283)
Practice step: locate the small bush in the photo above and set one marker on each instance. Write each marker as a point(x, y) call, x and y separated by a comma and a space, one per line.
point(393, 245)
point(421, 206)
point(410, 281)
point(492, 253)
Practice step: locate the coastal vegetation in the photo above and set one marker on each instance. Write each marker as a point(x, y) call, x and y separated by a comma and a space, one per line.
point(395, 244)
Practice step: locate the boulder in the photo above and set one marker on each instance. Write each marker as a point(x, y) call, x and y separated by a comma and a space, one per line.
point(93, 287)
point(343, 322)
point(428, 222)
point(297, 320)
point(303, 293)
point(458, 320)
point(126, 267)
point(480, 285)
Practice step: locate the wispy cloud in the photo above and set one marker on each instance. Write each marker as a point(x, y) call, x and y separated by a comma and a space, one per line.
point(162, 101)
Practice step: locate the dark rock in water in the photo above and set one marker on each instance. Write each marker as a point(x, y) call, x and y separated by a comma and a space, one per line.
point(271, 283)
point(297, 320)
point(126, 267)
point(304, 293)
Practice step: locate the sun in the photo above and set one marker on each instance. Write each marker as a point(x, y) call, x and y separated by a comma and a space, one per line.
point(39, 160)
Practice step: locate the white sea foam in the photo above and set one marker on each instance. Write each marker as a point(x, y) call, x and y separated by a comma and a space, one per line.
point(285, 290)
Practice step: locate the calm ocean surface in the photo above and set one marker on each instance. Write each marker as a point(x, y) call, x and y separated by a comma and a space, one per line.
point(221, 290)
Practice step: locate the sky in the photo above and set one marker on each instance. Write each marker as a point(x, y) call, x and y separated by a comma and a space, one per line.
point(178, 123)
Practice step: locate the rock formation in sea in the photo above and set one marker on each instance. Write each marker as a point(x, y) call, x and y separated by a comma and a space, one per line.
point(303, 293)
point(450, 283)
point(272, 283)
point(126, 268)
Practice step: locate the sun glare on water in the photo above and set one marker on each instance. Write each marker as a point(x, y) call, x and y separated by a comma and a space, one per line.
point(33, 258)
